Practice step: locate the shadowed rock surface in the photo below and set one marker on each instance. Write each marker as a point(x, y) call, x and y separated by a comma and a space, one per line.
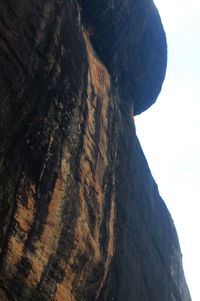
point(81, 218)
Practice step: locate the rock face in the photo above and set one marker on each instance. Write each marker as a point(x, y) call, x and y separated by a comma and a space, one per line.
point(81, 218)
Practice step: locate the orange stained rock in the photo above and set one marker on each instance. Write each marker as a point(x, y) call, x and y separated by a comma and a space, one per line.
point(86, 240)
point(53, 227)
point(50, 236)
point(24, 217)
point(99, 74)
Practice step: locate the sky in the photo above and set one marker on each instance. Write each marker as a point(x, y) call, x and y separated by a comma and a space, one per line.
point(169, 131)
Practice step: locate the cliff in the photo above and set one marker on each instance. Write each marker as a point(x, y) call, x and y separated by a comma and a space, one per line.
point(81, 218)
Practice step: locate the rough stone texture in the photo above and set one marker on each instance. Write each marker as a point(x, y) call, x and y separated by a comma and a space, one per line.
point(81, 218)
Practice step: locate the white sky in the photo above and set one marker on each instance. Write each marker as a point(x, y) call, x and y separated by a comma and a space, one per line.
point(169, 131)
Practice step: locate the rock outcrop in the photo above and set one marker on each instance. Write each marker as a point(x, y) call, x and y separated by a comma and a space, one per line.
point(81, 218)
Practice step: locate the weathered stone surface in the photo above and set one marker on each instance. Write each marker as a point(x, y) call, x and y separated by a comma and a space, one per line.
point(80, 214)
